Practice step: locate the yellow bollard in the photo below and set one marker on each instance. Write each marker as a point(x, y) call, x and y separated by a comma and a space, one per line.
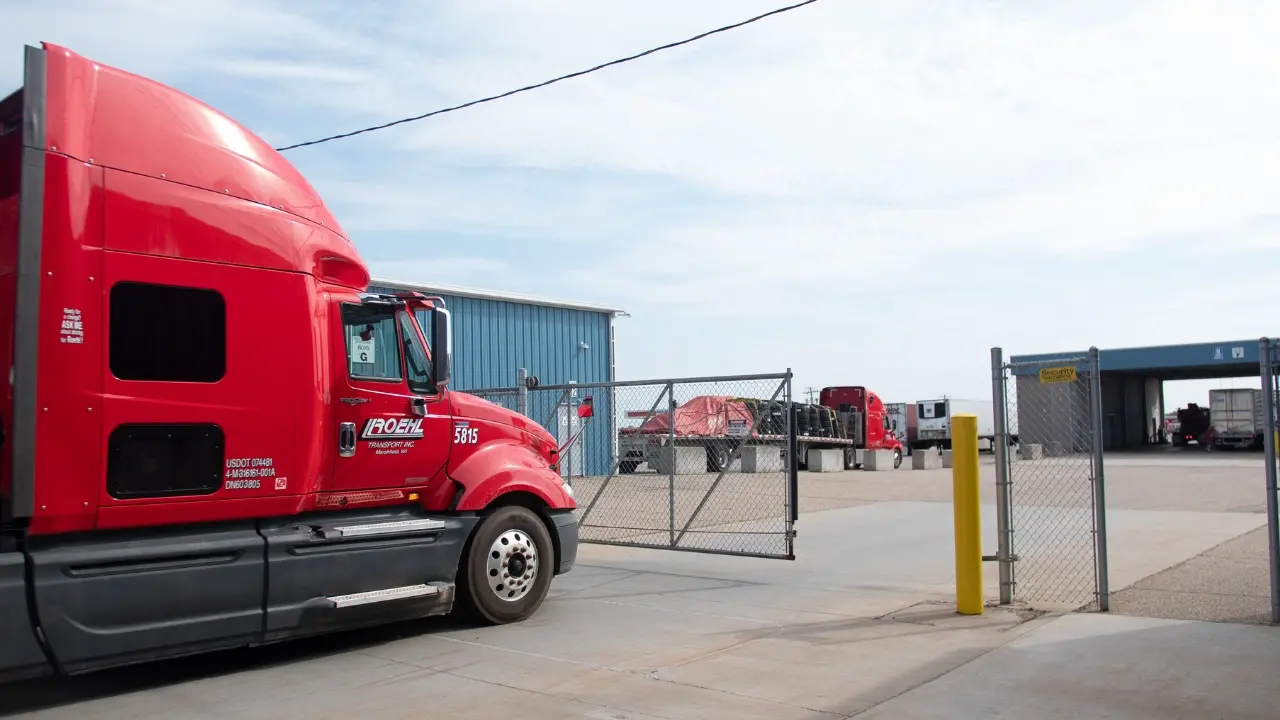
point(968, 514)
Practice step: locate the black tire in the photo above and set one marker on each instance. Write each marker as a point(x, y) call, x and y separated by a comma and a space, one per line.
point(718, 457)
point(475, 596)
point(626, 467)
point(850, 459)
point(897, 459)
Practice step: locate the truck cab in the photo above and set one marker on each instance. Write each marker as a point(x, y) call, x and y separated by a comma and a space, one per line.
point(864, 412)
point(213, 435)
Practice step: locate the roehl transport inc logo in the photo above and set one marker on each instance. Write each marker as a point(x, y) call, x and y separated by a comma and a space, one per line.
point(392, 429)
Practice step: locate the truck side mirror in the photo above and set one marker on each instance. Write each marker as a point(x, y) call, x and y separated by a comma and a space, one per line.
point(441, 346)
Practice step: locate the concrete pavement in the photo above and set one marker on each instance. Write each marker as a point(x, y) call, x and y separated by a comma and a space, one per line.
point(1105, 666)
point(861, 623)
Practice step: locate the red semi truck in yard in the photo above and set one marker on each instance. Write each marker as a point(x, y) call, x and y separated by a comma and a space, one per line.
point(864, 419)
point(213, 436)
point(849, 419)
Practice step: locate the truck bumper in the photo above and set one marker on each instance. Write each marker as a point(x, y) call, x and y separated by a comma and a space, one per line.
point(566, 525)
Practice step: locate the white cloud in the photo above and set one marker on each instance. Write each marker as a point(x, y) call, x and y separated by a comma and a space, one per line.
point(915, 175)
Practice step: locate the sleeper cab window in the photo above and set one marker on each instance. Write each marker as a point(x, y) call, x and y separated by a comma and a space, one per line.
point(165, 333)
point(373, 345)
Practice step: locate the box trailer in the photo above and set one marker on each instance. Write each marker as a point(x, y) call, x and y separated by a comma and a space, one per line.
point(1237, 418)
point(933, 422)
point(902, 422)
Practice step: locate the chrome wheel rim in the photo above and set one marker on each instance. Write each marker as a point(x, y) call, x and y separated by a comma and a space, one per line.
point(512, 565)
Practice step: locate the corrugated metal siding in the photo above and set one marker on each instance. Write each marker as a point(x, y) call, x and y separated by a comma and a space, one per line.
point(492, 339)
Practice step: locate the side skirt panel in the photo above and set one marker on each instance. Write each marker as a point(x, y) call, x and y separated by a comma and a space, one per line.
point(132, 596)
point(20, 654)
point(385, 554)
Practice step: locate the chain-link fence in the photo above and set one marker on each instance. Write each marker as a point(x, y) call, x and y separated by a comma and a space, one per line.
point(1051, 509)
point(1269, 369)
point(697, 464)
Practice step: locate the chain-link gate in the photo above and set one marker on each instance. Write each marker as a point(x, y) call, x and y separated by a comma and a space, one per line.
point(1269, 369)
point(699, 464)
point(1051, 516)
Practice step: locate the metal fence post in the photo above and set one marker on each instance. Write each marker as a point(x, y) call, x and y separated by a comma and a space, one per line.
point(792, 467)
point(1000, 406)
point(1099, 482)
point(522, 392)
point(1267, 370)
point(675, 458)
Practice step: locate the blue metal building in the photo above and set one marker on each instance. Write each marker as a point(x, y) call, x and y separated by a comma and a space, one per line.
point(558, 341)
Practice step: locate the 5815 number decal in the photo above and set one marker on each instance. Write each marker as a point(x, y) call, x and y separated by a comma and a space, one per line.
point(464, 434)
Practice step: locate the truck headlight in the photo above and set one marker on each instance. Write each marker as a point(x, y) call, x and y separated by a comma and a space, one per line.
point(568, 489)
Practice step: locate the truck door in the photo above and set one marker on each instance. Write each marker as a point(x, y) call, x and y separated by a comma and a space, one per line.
point(877, 423)
point(393, 424)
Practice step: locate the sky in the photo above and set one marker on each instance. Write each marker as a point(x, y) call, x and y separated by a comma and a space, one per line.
point(866, 193)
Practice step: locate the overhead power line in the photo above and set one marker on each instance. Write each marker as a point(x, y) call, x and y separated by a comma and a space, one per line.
point(552, 81)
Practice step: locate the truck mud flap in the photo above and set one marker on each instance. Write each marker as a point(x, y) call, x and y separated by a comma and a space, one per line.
point(142, 595)
point(340, 571)
point(20, 654)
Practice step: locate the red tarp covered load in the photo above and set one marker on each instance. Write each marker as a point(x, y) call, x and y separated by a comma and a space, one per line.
point(703, 416)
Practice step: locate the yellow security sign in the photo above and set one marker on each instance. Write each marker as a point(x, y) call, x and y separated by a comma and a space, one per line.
point(1058, 375)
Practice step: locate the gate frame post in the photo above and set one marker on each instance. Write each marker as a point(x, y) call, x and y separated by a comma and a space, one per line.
point(675, 457)
point(1004, 555)
point(1267, 371)
point(522, 391)
point(1099, 482)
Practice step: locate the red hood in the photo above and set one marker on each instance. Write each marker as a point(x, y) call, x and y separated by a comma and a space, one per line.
point(471, 407)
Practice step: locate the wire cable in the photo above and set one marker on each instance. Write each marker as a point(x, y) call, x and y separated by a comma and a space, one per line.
point(552, 81)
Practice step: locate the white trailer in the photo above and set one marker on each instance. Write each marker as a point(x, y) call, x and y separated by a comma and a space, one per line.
point(1237, 418)
point(933, 422)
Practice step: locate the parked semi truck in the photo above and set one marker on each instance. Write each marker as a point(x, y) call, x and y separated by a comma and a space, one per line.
point(1238, 418)
point(719, 424)
point(213, 436)
point(933, 423)
point(847, 418)
point(1193, 425)
point(865, 420)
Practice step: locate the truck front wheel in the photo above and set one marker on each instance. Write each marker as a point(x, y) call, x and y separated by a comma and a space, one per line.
point(508, 566)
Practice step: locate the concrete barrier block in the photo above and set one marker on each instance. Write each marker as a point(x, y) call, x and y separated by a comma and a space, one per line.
point(687, 460)
point(948, 461)
point(826, 461)
point(874, 460)
point(1030, 451)
point(927, 459)
point(762, 459)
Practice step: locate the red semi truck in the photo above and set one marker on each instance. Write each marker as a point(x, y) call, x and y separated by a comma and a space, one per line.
point(862, 414)
point(849, 419)
point(213, 436)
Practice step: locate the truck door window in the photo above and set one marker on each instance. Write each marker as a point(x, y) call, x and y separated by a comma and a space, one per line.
point(373, 347)
point(416, 360)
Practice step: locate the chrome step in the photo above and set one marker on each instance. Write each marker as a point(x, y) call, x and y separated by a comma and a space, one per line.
point(377, 596)
point(390, 528)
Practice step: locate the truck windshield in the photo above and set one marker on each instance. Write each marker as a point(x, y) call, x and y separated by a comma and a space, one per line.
point(416, 359)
